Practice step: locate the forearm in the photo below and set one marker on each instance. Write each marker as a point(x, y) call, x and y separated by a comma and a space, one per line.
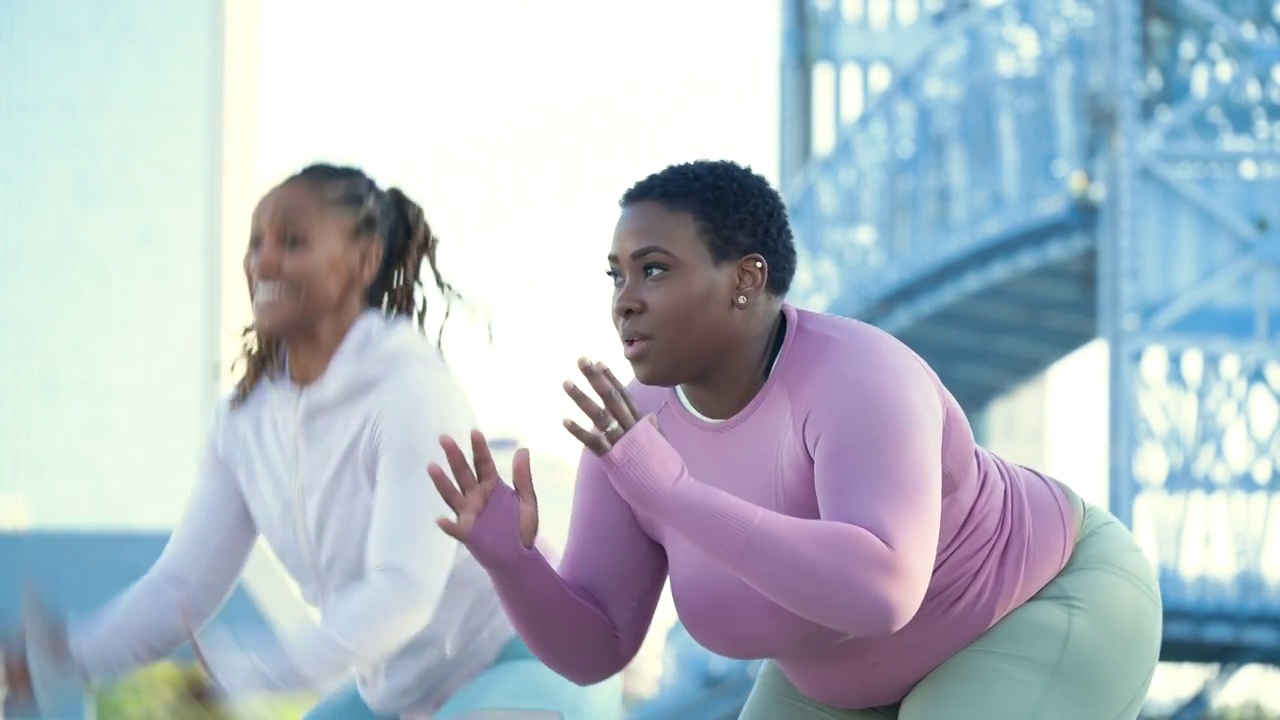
point(562, 625)
point(407, 562)
point(833, 573)
point(141, 626)
point(362, 627)
point(190, 580)
point(407, 569)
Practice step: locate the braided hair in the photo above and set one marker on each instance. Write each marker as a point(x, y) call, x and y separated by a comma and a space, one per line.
point(400, 225)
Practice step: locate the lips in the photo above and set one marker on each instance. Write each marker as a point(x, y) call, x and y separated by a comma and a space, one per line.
point(634, 345)
point(266, 292)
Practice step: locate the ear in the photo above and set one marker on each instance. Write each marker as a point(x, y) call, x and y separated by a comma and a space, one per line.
point(370, 259)
point(752, 277)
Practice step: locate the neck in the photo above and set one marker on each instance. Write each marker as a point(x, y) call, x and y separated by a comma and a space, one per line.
point(732, 385)
point(309, 353)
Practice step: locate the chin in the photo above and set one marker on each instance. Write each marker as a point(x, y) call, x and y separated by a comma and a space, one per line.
point(270, 323)
point(653, 374)
point(265, 325)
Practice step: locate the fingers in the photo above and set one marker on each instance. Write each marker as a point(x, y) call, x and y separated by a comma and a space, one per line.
point(452, 529)
point(613, 419)
point(600, 417)
point(594, 441)
point(458, 464)
point(449, 492)
point(486, 469)
point(522, 477)
point(610, 394)
point(201, 691)
point(620, 390)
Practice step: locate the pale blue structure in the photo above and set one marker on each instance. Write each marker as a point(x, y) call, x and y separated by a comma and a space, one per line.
point(999, 182)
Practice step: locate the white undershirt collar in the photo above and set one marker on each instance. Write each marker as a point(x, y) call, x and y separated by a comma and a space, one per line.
point(684, 400)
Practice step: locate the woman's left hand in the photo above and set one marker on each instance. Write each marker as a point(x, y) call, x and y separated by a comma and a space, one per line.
point(610, 421)
point(200, 685)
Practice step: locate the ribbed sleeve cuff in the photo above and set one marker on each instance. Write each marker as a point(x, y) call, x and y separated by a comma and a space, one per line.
point(650, 475)
point(643, 466)
point(494, 541)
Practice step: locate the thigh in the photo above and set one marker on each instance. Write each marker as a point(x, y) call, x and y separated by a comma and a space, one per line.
point(344, 704)
point(1086, 646)
point(508, 688)
point(773, 696)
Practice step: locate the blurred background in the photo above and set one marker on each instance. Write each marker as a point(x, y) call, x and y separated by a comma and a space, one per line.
point(1069, 207)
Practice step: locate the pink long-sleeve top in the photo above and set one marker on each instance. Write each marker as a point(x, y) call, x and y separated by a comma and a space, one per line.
point(844, 524)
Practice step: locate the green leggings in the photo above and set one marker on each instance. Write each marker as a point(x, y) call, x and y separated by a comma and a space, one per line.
point(1085, 646)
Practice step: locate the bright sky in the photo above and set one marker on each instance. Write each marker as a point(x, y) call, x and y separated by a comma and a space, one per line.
point(517, 125)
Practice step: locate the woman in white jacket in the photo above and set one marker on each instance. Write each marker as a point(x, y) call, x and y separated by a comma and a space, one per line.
point(321, 449)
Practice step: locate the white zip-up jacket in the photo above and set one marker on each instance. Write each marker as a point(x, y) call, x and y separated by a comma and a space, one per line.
point(333, 476)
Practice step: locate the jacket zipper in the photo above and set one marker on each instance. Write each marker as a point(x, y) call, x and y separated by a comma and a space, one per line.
point(299, 500)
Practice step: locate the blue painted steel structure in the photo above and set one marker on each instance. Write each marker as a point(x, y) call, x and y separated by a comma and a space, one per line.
point(1000, 181)
point(77, 573)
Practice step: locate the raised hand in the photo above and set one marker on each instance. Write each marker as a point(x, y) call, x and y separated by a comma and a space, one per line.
point(467, 492)
point(610, 421)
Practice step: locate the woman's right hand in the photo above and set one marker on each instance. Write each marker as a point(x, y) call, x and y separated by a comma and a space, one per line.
point(17, 679)
point(467, 493)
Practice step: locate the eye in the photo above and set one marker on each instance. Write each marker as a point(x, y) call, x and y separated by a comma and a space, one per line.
point(292, 241)
point(649, 272)
point(652, 270)
point(255, 242)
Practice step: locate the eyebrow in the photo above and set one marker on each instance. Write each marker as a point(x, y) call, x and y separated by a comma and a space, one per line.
point(646, 250)
point(288, 217)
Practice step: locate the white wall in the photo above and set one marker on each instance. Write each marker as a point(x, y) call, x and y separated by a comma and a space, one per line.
point(110, 124)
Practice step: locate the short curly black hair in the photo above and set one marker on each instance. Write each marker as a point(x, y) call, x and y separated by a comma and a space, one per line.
point(736, 210)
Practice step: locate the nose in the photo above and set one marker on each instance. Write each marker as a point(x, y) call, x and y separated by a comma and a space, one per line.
point(627, 301)
point(262, 260)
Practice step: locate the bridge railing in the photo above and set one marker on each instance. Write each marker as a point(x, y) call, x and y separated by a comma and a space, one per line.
point(1203, 482)
point(981, 138)
point(1206, 500)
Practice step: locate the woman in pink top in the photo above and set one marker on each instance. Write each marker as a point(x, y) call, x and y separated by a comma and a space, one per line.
point(815, 495)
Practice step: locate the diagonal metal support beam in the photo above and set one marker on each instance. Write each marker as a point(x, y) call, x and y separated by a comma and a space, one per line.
point(1188, 299)
point(1240, 227)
